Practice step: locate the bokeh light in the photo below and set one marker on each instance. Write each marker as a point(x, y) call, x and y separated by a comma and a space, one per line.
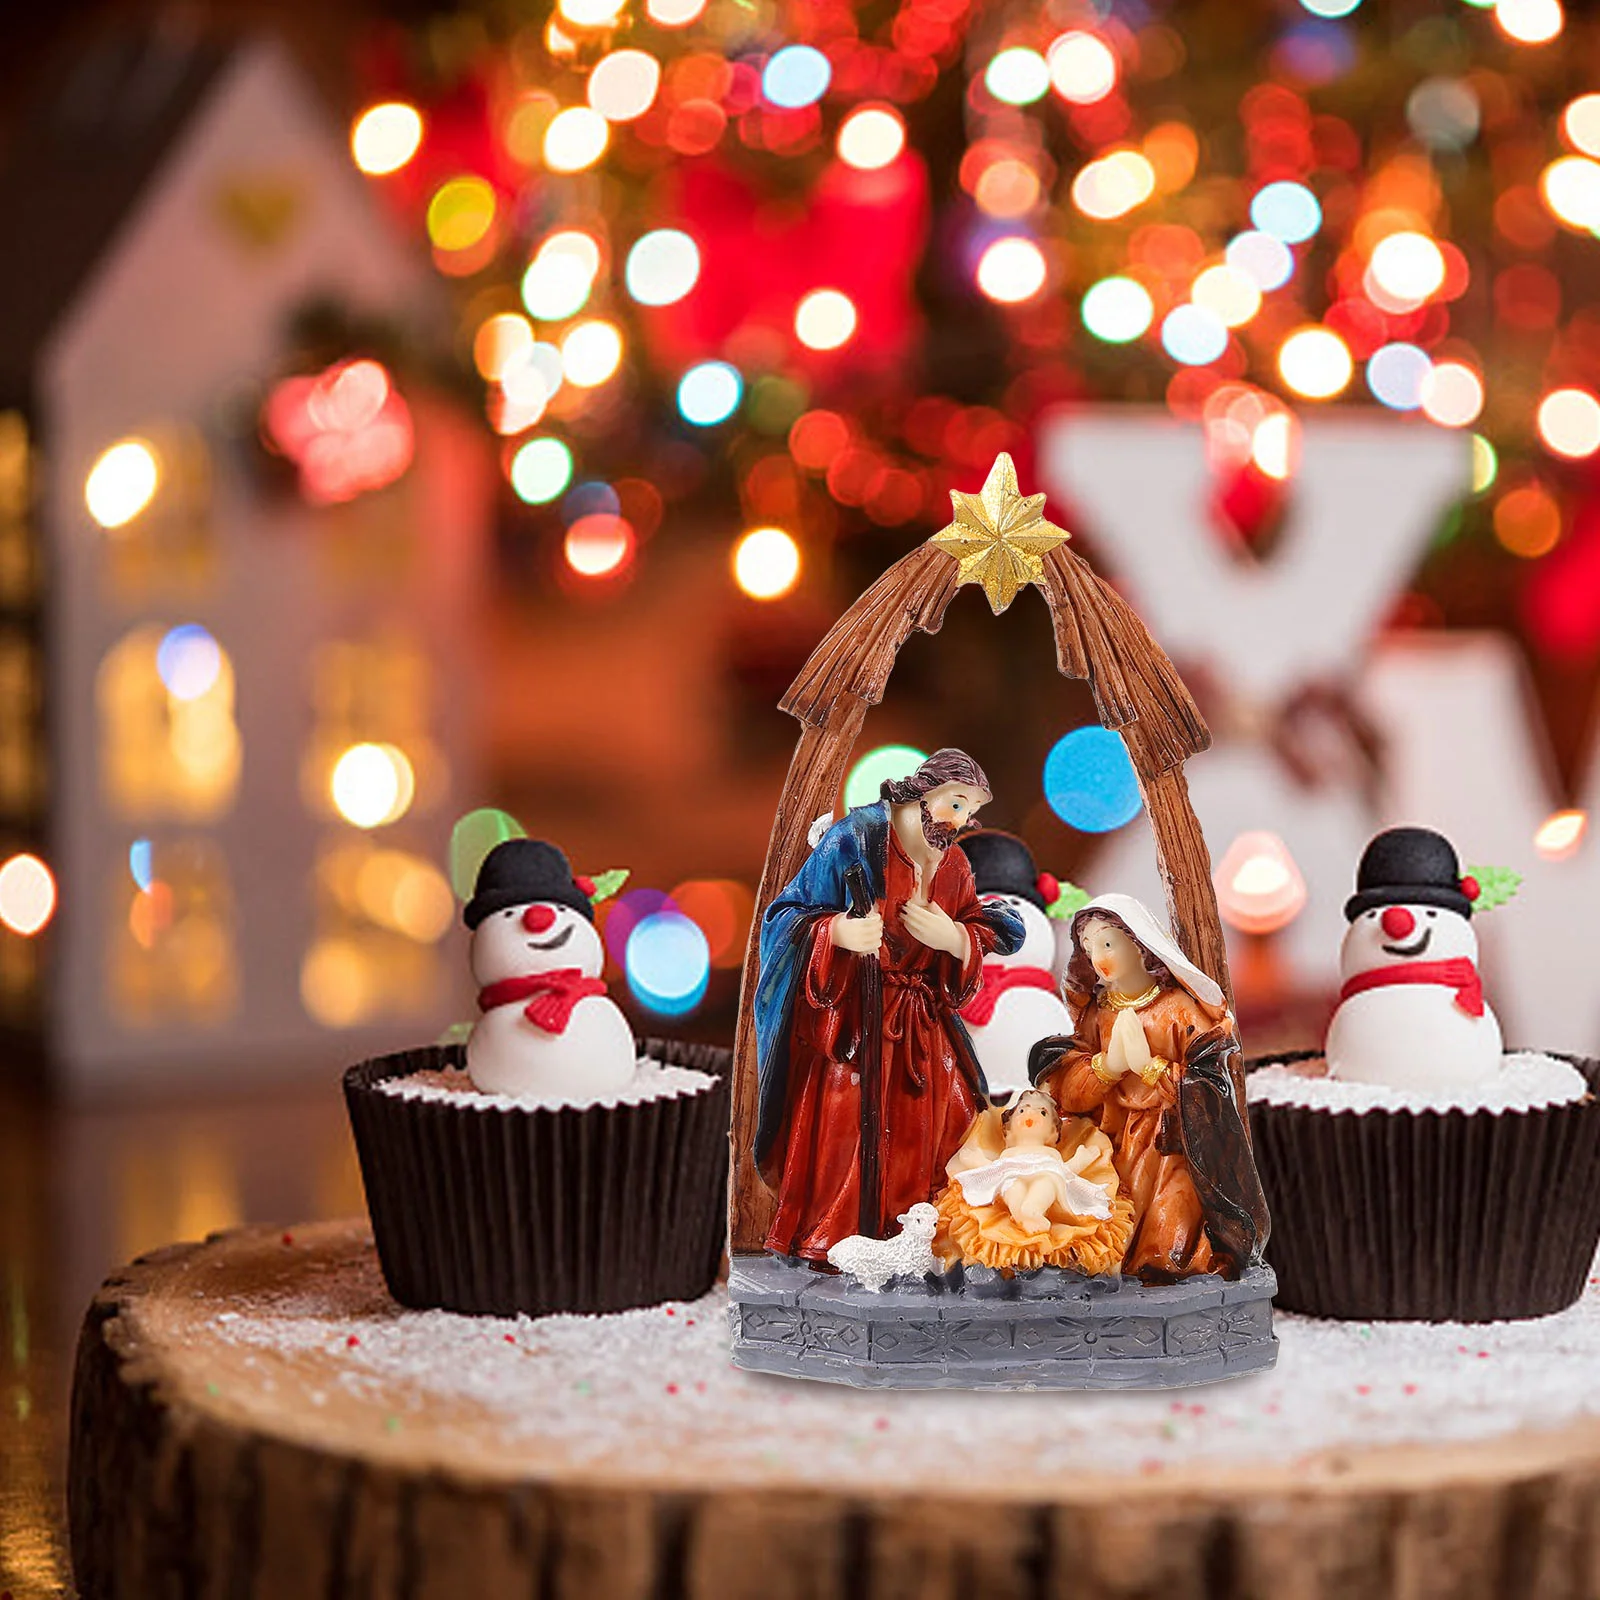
point(1571, 189)
point(1315, 362)
point(499, 341)
point(1114, 185)
point(766, 563)
point(1089, 781)
point(662, 267)
point(472, 838)
point(385, 137)
point(575, 139)
point(673, 13)
point(460, 213)
point(797, 75)
point(1569, 423)
point(142, 863)
point(871, 137)
point(1286, 211)
point(27, 894)
point(722, 908)
point(372, 784)
point(1485, 464)
point(1581, 124)
point(877, 767)
point(1408, 267)
point(1267, 262)
point(599, 545)
point(591, 353)
point(1083, 67)
point(623, 84)
point(1529, 21)
point(122, 482)
point(590, 13)
point(188, 661)
point(1275, 445)
point(709, 393)
point(1330, 8)
point(1452, 394)
point(1193, 336)
point(1557, 838)
point(1397, 374)
point(1012, 270)
point(825, 319)
point(1527, 521)
point(541, 470)
point(1230, 294)
point(1117, 309)
point(1017, 76)
point(560, 278)
point(667, 962)
point(1259, 885)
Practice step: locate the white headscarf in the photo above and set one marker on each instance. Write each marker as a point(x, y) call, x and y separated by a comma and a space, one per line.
point(1153, 935)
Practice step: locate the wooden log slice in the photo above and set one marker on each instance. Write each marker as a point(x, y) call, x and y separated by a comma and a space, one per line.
point(229, 1439)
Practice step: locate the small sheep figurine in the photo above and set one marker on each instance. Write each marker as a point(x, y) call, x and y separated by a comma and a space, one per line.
point(873, 1262)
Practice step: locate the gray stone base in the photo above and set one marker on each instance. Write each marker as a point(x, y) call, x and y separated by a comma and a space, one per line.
point(974, 1329)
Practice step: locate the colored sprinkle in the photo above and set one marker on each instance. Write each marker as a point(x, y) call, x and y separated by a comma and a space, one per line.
point(391, 1424)
point(1149, 1465)
point(1197, 1411)
point(1363, 1388)
point(211, 1388)
point(672, 1388)
point(671, 1312)
point(1410, 1388)
point(1169, 1429)
point(1483, 1355)
point(511, 1338)
point(688, 1322)
point(880, 1423)
point(351, 1342)
point(583, 1386)
point(700, 1387)
point(288, 1238)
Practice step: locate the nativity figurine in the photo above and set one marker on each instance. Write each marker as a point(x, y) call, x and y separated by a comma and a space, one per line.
point(1029, 1188)
point(1149, 1062)
point(868, 1081)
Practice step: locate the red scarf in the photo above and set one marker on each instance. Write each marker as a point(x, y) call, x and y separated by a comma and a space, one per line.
point(996, 980)
point(554, 994)
point(1458, 973)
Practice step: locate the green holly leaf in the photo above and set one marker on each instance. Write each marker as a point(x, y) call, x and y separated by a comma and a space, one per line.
point(1496, 885)
point(606, 884)
point(456, 1033)
point(1069, 902)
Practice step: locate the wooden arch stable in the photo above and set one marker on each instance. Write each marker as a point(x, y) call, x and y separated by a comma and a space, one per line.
point(1137, 692)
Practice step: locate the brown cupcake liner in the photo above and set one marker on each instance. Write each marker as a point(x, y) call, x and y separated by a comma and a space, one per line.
point(503, 1210)
point(1430, 1216)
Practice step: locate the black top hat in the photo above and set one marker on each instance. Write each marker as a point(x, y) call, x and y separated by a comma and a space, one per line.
point(1003, 864)
point(1408, 866)
point(518, 872)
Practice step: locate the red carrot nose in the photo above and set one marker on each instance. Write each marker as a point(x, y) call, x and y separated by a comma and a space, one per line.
point(537, 918)
point(1398, 923)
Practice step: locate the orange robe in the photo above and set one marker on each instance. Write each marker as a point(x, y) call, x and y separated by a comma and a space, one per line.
point(1141, 1120)
point(928, 1076)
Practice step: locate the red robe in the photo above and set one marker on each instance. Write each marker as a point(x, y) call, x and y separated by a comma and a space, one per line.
point(929, 1086)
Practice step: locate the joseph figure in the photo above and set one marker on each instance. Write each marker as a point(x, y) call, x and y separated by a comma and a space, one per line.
point(868, 1081)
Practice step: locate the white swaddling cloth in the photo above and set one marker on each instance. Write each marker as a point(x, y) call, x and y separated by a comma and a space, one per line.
point(1080, 1197)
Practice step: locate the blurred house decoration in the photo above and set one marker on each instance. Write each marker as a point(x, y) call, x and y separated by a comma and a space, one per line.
point(234, 564)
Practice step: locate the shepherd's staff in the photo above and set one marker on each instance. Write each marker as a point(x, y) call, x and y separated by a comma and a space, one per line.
point(869, 1062)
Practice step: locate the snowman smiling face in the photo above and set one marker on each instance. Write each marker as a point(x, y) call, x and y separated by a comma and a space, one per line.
point(534, 938)
point(1405, 933)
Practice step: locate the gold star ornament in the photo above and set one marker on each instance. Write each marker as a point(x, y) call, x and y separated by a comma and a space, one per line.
point(1000, 537)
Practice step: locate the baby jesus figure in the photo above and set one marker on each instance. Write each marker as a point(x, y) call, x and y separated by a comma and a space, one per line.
point(1028, 1191)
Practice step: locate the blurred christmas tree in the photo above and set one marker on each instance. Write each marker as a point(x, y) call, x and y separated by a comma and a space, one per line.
point(830, 258)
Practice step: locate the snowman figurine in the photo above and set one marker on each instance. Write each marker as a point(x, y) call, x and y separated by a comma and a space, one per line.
point(1020, 1002)
point(1411, 1009)
point(548, 1031)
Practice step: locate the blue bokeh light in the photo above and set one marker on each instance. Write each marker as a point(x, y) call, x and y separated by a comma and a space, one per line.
point(1089, 781)
point(1193, 336)
point(588, 499)
point(1288, 211)
point(796, 76)
point(668, 963)
point(709, 393)
point(188, 661)
point(142, 863)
